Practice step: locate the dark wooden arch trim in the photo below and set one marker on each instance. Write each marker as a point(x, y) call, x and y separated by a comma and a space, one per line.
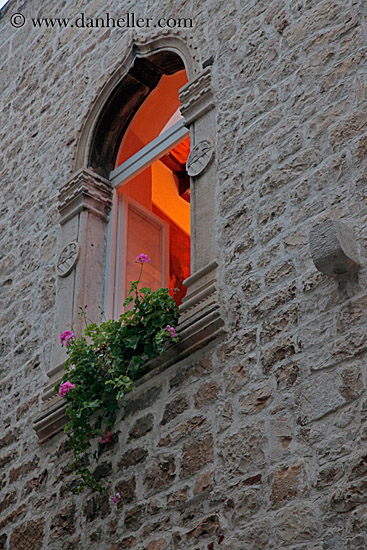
point(123, 103)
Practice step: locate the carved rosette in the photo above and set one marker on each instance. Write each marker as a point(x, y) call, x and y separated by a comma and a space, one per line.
point(67, 259)
point(200, 158)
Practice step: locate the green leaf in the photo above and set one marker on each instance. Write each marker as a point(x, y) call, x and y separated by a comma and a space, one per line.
point(103, 363)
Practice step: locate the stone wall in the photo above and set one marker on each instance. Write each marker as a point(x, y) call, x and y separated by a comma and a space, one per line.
point(257, 441)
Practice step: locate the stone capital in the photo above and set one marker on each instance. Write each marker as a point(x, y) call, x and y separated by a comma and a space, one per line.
point(197, 97)
point(85, 190)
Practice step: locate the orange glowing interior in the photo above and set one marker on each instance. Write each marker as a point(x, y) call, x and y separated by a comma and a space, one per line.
point(162, 188)
point(154, 116)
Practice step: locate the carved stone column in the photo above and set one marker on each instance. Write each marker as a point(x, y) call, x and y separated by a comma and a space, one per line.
point(201, 319)
point(84, 203)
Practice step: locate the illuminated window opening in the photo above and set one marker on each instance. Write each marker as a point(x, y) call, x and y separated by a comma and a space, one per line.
point(152, 197)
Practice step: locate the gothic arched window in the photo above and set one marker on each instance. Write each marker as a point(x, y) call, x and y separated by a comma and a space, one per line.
point(131, 152)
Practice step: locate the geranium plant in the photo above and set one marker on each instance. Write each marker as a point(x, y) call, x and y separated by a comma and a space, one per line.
point(103, 364)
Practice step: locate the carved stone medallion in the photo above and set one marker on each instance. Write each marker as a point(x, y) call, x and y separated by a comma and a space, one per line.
point(199, 158)
point(67, 259)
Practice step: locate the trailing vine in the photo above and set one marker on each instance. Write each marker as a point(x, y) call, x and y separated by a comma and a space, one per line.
point(103, 364)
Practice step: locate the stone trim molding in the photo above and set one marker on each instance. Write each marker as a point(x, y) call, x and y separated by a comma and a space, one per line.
point(182, 42)
point(197, 97)
point(200, 320)
point(52, 417)
point(85, 190)
point(84, 203)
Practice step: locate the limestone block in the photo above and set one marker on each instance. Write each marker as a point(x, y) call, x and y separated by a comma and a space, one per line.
point(196, 454)
point(327, 392)
point(256, 400)
point(160, 474)
point(243, 452)
point(293, 524)
point(333, 248)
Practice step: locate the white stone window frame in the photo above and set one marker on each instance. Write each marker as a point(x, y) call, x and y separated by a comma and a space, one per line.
point(85, 202)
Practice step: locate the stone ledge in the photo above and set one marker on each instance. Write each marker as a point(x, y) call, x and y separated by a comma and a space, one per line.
point(51, 420)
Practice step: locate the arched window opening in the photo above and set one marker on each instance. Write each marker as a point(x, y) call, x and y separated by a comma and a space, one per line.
point(152, 196)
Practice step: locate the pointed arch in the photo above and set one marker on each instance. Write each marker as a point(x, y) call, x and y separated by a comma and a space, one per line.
point(124, 91)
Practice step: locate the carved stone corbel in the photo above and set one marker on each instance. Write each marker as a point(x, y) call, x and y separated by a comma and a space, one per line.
point(200, 320)
point(52, 417)
point(334, 248)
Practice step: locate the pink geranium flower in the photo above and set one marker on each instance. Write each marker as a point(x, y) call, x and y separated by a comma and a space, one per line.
point(171, 331)
point(66, 336)
point(65, 388)
point(116, 499)
point(143, 258)
point(106, 437)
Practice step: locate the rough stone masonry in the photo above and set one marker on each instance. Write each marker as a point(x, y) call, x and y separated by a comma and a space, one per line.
point(258, 440)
